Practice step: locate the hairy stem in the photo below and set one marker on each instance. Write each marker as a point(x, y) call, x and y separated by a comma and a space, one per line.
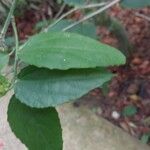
point(60, 11)
point(8, 20)
point(16, 47)
point(143, 16)
point(75, 9)
point(92, 14)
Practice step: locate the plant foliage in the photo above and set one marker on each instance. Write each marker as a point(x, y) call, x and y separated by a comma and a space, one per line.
point(4, 85)
point(4, 58)
point(60, 67)
point(86, 29)
point(37, 128)
point(135, 3)
point(42, 87)
point(62, 51)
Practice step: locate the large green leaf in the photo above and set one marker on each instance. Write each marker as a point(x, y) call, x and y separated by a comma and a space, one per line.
point(135, 3)
point(86, 29)
point(4, 58)
point(68, 50)
point(38, 129)
point(43, 87)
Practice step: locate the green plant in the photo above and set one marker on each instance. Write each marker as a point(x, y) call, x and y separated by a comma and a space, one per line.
point(145, 138)
point(61, 66)
point(129, 111)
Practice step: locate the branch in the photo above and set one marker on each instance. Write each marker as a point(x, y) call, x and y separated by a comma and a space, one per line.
point(143, 16)
point(16, 47)
point(8, 20)
point(92, 14)
point(60, 11)
point(75, 9)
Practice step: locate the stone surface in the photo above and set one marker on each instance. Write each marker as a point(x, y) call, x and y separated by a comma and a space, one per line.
point(6, 136)
point(82, 130)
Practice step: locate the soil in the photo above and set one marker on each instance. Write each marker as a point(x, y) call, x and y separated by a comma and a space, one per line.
point(131, 86)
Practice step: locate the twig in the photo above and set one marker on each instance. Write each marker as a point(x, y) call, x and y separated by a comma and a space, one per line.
point(92, 14)
point(16, 47)
point(143, 16)
point(11, 52)
point(8, 20)
point(75, 9)
point(60, 11)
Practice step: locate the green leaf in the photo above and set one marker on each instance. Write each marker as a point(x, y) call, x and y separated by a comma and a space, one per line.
point(129, 111)
point(4, 85)
point(59, 1)
point(81, 2)
point(135, 3)
point(145, 138)
point(75, 2)
point(41, 24)
point(105, 88)
point(37, 128)
point(86, 29)
point(43, 87)
point(10, 41)
point(68, 50)
point(4, 58)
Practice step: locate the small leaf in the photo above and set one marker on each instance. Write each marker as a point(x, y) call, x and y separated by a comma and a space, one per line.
point(135, 3)
point(4, 85)
point(145, 138)
point(4, 58)
point(41, 24)
point(129, 111)
point(68, 50)
point(59, 1)
point(75, 2)
point(105, 88)
point(10, 41)
point(43, 87)
point(86, 29)
point(146, 121)
point(37, 128)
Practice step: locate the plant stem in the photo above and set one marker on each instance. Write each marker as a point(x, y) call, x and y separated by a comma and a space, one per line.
point(16, 47)
point(60, 11)
point(75, 9)
point(11, 52)
point(92, 14)
point(8, 20)
point(143, 16)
